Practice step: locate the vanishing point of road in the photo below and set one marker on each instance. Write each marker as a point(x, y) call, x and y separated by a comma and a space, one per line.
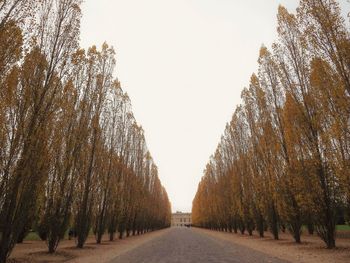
point(184, 245)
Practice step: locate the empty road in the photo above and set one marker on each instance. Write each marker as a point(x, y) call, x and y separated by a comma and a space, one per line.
point(182, 245)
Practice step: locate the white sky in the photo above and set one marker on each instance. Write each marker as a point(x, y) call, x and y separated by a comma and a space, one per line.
point(183, 64)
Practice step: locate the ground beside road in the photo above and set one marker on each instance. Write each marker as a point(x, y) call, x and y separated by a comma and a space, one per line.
point(188, 245)
point(311, 250)
point(36, 251)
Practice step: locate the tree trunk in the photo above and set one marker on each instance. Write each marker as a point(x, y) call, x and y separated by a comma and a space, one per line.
point(260, 225)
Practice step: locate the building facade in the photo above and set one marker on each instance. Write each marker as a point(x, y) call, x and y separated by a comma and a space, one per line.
point(180, 219)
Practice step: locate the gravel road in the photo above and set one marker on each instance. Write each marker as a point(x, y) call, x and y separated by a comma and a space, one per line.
point(183, 245)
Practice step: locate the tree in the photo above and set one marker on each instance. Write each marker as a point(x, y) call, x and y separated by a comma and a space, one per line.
point(71, 152)
point(285, 151)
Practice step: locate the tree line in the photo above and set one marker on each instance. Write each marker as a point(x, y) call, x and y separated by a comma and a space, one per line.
point(283, 161)
point(72, 155)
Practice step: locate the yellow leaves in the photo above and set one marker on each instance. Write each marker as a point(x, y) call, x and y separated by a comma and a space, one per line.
point(68, 128)
point(263, 53)
point(34, 65)
point(9, 94)
point(254, 81)
point(286, 144)
point(285, 20)
point(76, 8)
point(319, 72)
point(78, 57)
point(10, 45)
point(33, 76)
point(92, 51)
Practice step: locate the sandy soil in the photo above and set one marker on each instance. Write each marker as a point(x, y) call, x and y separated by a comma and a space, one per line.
point(36, 251)
point(311, 250)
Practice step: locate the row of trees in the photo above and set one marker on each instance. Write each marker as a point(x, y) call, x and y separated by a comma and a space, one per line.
point(284, 159)
point(71, 152)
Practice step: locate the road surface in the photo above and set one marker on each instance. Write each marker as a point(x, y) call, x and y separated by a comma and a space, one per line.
point(184, 245)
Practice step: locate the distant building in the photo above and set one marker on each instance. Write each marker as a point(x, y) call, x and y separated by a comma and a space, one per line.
point(180, 219)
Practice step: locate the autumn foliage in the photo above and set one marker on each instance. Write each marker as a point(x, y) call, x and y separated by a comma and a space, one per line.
point(72, 155)
point(284, 159)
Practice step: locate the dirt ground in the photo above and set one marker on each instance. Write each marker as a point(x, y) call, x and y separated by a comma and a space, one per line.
point(311, 250)
point(36, 251)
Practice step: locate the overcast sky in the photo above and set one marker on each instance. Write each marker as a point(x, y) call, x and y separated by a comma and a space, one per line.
point(183, 64)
